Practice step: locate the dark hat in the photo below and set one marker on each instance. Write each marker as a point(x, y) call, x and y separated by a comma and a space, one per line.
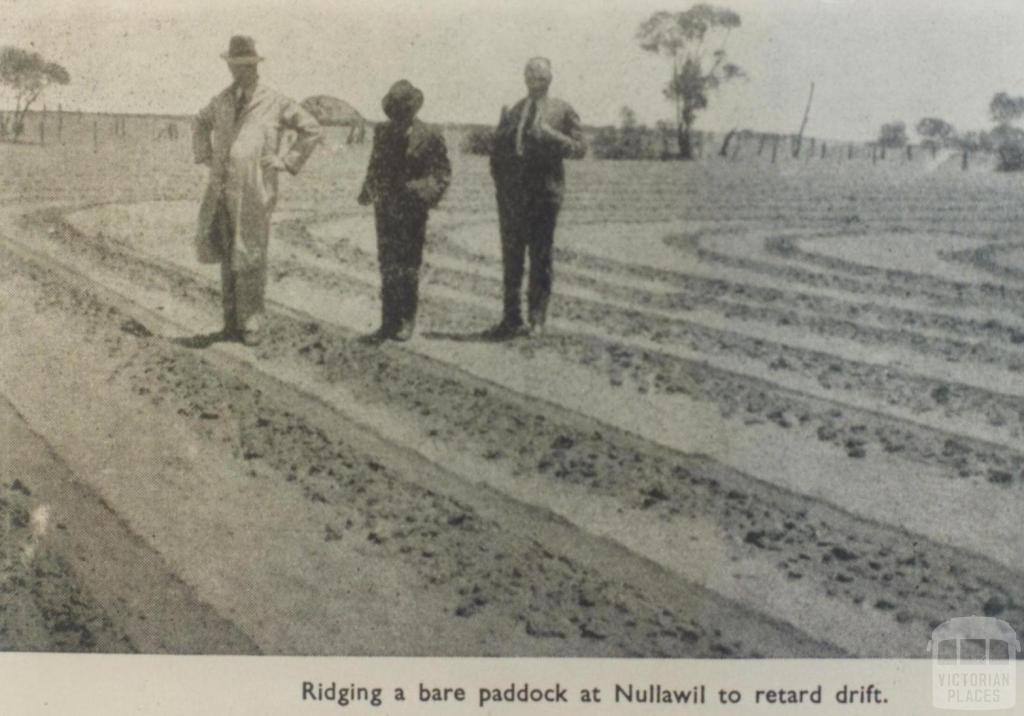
point(242, 51)
point(402, 101)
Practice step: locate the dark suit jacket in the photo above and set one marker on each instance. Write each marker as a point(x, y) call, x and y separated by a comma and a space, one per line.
point(407, 170)
point(540, 172)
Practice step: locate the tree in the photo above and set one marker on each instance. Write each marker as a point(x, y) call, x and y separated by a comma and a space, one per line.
point(627, 118)
point(935, 133)
point(893, 135)
point(697, 70)
point(27, 75)
point(1006, 109)
point(632, 133)
point(1007, 139)
point(1009, 146)
point(625, 142)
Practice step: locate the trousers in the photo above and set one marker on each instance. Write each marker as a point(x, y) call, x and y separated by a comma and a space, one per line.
point(242, 290)
point(401, 235)
point(527, 226)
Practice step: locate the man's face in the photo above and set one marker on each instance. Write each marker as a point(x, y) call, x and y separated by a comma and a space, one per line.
point(242, 73)
point(402, 120)
point(538, 79)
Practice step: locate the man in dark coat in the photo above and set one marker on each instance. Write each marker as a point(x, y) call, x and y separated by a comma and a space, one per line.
point(530, 143)
point(407, 175)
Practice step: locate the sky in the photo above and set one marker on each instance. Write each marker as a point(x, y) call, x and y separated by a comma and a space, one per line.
point(872, 61)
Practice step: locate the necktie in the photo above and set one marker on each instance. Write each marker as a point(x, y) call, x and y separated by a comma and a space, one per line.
point(527, 123)
point(240, 103)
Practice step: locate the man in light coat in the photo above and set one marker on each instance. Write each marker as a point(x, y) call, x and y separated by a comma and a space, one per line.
point(239, 135)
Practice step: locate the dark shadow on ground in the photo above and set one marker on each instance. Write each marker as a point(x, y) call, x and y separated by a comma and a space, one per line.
point(202, 340)
point(485, 336)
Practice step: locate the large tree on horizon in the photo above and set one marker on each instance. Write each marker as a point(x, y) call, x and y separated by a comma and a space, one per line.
point(694, 40)
point(27, 75)
point(935, 133)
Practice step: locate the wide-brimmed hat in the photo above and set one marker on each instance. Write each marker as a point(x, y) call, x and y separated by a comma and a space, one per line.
point(403, 100)
point(242, 51)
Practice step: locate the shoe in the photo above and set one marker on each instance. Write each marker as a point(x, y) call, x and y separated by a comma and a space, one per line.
point(405, 331)
point(407, 294)
point(252, 338)
point(505, 330)
point(382, 334)
point(538, 316)
point(389, 307)
point(252, 331)
point(536, 330)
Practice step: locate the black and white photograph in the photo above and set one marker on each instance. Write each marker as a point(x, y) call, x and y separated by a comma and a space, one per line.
point(632, 329)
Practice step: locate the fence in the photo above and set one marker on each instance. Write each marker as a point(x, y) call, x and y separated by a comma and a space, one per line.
point(770, 148)
point(47, 127)
point(44, 127)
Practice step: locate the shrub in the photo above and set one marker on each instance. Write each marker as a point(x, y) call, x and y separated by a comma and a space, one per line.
point(479, 141)
point(630, 143)
point(1009, 145)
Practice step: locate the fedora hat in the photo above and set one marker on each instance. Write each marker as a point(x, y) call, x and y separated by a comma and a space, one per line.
point(242, 51)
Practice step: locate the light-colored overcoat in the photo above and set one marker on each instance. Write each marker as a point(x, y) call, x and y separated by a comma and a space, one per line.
point(234, 148)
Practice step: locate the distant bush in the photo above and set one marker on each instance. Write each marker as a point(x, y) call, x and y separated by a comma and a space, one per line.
point(893, 135)
point(628, 141)
point(612, 143)
point(1009, 146)
point(479, 141)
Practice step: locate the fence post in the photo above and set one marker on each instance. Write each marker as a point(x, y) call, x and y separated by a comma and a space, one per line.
point(775, 148)
point(910, 153)
point(95, 134)
point(849, 151)
point(60, 124)
point(760, 146)
point(824, 150)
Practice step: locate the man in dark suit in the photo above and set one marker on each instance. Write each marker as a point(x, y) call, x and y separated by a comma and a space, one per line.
point(407, 175)
point(530, 143)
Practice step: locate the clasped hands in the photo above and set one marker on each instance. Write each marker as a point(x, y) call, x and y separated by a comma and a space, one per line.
point(541, 130)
